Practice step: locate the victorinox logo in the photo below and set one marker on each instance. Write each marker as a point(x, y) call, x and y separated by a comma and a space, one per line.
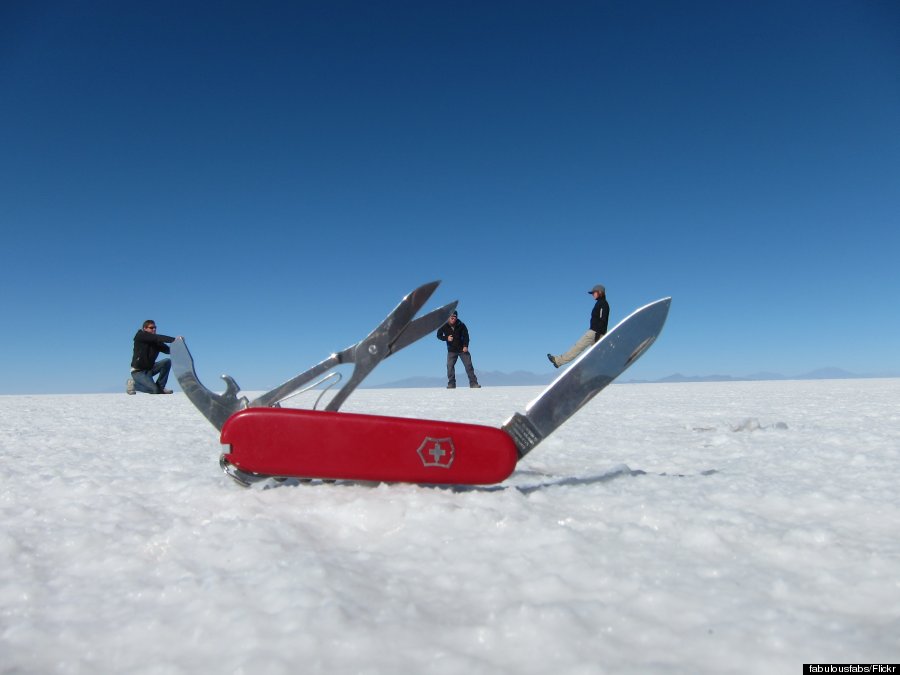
point(437, 452)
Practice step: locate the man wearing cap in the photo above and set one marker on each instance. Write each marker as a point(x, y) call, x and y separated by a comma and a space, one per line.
point(599, 323)
point(456, 335)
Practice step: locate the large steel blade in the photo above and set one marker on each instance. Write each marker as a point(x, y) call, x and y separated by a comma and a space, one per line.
point(588, 375)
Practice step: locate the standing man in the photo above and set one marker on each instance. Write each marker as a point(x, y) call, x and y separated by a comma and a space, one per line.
point(599, 323)
point(147, 346)
point(456, 335)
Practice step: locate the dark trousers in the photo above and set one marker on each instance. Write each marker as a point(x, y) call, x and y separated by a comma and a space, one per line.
point(467, 362)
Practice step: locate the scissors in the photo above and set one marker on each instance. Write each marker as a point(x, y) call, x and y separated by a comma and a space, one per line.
point(398, 330)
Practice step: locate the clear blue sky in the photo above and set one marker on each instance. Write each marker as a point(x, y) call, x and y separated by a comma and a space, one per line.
point(268, 179)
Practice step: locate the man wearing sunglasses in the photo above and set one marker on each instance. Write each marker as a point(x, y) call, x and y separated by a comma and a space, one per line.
point(456, 335)
point(144, 366)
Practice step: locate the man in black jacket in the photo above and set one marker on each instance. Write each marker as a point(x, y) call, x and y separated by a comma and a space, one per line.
point(147, 346)
point(599, 323)
point(456, 335)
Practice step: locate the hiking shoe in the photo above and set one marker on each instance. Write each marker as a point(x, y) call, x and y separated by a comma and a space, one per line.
point(475, 386)
point(552, 360)
point(129, 387)
point(451, 386)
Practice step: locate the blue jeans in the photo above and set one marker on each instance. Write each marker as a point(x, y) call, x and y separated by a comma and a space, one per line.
point(143, 379)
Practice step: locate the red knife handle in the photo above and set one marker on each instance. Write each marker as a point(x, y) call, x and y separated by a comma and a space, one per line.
point(336, 445)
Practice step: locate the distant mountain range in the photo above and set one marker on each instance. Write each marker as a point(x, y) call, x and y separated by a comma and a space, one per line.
point(488, 378)
point(524, 378)
point(819, 374)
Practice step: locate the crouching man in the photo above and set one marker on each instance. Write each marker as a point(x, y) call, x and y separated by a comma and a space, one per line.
point(144, 366)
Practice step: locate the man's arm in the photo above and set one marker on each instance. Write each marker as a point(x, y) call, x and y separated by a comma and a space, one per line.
point(464, 337)
point(151, 338)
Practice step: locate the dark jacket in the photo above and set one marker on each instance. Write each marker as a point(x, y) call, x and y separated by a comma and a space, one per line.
point(147, 347)
point(460, 336)
point(600, 316)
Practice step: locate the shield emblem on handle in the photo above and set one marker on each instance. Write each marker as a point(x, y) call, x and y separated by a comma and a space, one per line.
point(437, 452)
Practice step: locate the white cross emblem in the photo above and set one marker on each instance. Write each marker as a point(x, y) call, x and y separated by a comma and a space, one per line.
point(437, 452)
